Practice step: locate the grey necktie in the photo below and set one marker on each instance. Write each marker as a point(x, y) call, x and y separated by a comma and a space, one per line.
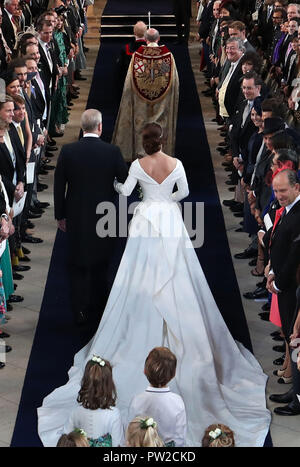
point(246, 112)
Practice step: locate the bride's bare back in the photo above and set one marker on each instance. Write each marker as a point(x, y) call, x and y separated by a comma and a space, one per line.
point(158, 166)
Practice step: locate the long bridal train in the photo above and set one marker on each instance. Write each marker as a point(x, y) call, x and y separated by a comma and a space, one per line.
point(160, 297)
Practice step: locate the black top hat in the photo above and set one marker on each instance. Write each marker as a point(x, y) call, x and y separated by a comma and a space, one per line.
point(272, 125)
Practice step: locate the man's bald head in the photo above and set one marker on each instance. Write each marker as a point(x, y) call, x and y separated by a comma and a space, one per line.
point(91, 121)
point(140, 29)
point(286, 187)
point(152, 35)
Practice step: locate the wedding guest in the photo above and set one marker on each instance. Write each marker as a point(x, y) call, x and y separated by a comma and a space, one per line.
point(142, 432)
point(97, 413)
point(218, 436)
point(75, 439)
point(158, 401)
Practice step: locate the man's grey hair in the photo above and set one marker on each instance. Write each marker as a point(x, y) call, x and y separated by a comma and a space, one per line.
point(152, 35)
point(294, 4)
point(90, 120)
point(7, 2)
point(239, 42)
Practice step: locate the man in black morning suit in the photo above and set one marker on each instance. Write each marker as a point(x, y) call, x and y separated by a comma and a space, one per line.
point(48, 63)
point(8, 29)
point(284, 261)
point(228, 89)
point(83, 178)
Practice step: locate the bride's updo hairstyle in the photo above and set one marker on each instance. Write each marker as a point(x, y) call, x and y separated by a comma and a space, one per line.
point(218, 436)
point(152, 138)
point(97, 386)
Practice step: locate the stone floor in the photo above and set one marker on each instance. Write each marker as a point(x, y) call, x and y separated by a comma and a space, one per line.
point(285, 430)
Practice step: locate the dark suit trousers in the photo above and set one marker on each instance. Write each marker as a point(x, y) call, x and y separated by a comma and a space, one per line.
point(89, 289)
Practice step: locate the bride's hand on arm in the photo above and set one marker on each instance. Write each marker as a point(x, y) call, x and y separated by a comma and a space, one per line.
point(127, 187)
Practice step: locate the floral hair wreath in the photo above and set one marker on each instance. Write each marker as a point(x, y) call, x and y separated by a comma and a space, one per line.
point(215, 433)
point(80, 431)
point(145, 423)
point(98, 360)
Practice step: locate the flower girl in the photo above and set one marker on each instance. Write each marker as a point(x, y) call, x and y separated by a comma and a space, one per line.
point(142, 432)
point(96, 413)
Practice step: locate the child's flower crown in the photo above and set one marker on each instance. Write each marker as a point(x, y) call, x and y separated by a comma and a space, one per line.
point(98, 360)
point(80, 431)
point(146, 422)
point(215, 434)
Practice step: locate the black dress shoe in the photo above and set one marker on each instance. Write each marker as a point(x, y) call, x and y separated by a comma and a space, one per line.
point(237, 208)
point(51, 148)
point(9, 307)
point(238, 214)
point(15, 299)
point(41, 205)
point(278, 338)
point(80, 78)
point(253, 262)
point(21, 268)
point(231, 188)
point(49, 154)
point(279, 348)
point(30, 239)
point(8, 348)
point(266, 317)
point(42, 171)
point(2, 365)
point(282, 398)
point(260, 292)
point(248, 253)
point(230, 182)
point(229, 202)
point(289, 410)
point(28, 225)
point(51, 142)
point(17, 277)
point(223, 143)
point(31, 215)
point(49, 167)
point(275, 333)
point(25, 259)
point(279, 361)
point(57, 135)
point(4, 335)
point(266, 307)
point(36, 210)
point(81, 318)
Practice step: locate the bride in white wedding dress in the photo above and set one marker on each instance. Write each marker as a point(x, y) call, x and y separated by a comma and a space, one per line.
point(160, 297)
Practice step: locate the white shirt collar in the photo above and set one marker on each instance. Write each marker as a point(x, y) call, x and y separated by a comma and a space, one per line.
point(16, 124)
point(289, 207)
point(152, 44)
point(152, 389)
point(92, 135)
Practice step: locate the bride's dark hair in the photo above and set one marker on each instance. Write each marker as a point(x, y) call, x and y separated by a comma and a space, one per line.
point(152, 138)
